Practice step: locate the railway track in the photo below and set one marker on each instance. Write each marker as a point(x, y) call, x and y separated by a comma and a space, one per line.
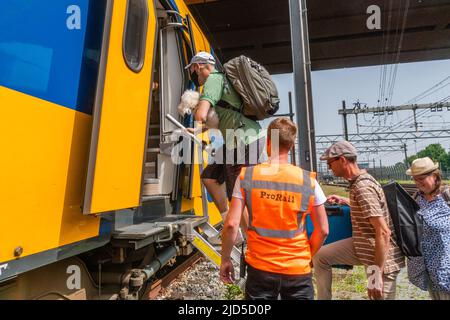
point(409, 187)
point(164, 282)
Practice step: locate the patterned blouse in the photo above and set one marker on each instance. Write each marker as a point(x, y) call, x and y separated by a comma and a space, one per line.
point(432, 270)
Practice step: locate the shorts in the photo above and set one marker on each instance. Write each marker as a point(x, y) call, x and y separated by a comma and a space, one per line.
point(228, 173)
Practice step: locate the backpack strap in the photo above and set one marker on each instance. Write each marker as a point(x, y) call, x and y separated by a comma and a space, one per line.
point(362, 179)
point(446, 194)
point(224, 104)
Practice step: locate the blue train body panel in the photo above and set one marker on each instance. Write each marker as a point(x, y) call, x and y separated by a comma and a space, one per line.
point(49, 49)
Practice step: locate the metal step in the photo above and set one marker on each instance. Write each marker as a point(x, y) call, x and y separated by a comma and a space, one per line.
point(154, 126)
point(151, 187)
point(210, 251)
point(146, 229)
point(153, 137)
point(138, 231)
point(152, 151)
point(155, 197)
point(150, 175)
point(150, 164)
point(151, 181)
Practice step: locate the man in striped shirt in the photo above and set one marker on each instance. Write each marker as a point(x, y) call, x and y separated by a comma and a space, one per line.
point(373, 242)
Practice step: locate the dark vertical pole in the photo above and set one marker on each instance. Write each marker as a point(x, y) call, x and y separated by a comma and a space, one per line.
point(291, 116)
point(416, 125)
point(307, 67)
point(374, 169)
point(381, 169)
point(357, 124)
point(344, 116)
point(302, 84)
point(406, 155)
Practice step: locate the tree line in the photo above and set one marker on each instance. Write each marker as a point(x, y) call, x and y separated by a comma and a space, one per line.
point(437, 153)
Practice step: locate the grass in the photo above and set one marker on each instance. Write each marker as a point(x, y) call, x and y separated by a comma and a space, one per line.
point(349, 284)
point(233, 292)
point(329, 190)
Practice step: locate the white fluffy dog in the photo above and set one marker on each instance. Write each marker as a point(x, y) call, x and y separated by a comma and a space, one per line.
point(188, 105)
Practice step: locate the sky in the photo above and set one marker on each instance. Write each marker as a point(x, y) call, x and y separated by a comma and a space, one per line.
point(330, 87)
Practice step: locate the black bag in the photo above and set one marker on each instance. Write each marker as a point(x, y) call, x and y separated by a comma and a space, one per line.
point(407, 224)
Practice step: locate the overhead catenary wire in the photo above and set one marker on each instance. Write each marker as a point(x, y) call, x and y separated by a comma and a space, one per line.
point(397, 57)
point(419, 114)
point(388, 90)
point(394, 56)
point(433, 89)
point(387, 82)
point(382, 64)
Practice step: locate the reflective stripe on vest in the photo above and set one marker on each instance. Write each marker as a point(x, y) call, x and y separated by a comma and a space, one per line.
point(248, 184)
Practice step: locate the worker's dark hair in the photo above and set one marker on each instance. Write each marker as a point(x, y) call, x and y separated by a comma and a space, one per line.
point(287, 132)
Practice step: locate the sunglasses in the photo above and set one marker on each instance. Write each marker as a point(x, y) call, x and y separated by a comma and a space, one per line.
point(332, 160)
point(422, 177)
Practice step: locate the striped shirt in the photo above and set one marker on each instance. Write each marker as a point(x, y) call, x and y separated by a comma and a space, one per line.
point(367, 200)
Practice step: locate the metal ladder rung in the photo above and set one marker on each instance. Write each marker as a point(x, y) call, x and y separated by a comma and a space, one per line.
point(209, 250)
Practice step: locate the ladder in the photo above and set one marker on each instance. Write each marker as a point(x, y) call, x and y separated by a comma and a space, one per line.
point(197, 238)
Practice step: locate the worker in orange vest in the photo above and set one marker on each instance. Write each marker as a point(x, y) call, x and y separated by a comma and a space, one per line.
point(278, 197)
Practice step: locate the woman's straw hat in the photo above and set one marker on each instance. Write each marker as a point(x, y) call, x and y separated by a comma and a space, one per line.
point(422, 166)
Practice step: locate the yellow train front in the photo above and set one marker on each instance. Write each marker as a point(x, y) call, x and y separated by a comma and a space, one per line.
point(88, 190)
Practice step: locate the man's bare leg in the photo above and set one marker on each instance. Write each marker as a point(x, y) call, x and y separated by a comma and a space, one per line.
point(219, 195)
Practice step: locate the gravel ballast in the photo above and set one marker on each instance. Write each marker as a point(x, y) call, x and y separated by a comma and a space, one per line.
point(202, 282)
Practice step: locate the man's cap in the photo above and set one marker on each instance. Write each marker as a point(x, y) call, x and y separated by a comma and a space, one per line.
point(340, 149)
point(202, 57)
point(422, 166)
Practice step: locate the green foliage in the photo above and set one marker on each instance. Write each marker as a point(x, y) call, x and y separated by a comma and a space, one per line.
point(401, 165)
point(340, 191)
point(233, 292)
point(437, 153)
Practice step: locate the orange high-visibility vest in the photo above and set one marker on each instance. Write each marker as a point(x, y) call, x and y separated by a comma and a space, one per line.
point(278, 197)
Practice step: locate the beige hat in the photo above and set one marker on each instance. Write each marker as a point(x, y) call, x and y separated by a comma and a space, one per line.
point(340, 149)
point(422, 166)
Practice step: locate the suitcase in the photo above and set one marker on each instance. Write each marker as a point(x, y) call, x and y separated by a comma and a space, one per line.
point(340, 226)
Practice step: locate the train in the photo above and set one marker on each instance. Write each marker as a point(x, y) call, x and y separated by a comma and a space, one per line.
point(92, 205)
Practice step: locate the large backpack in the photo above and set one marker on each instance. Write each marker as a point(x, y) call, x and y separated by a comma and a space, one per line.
point(407, 224)
point(255, 86)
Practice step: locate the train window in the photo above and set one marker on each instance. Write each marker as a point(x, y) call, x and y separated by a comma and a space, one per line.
point(135, 34)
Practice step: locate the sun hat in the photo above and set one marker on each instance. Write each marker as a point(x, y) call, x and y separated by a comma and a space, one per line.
point(422, 166)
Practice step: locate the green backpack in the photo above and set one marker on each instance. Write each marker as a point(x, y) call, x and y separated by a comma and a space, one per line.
point(254, 84)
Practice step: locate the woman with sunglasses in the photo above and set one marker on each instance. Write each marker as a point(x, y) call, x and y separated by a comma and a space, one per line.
point(432, 271)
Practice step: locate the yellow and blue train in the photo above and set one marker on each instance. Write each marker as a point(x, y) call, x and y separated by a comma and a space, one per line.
point(88, 192)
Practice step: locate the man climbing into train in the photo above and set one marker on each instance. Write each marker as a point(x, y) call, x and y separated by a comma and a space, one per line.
point(278, 197)
point(242, 136)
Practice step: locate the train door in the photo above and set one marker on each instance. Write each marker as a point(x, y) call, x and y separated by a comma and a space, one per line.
point(164, 177)
point(122, 107)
